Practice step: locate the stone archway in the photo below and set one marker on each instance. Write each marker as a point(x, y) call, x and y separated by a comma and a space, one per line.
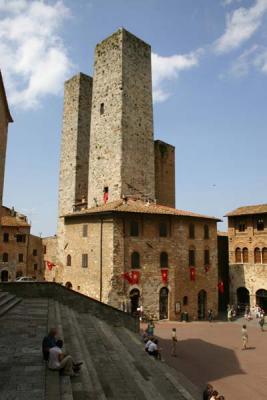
point(243, 298)
point(68, 285)
point(202, 304)
point(134, 297)
point(4, 276)
point(261, 299)
point(164, 303)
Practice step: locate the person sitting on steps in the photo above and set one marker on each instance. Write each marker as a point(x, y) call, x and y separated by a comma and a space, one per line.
point(49, 341)
point(59, 361)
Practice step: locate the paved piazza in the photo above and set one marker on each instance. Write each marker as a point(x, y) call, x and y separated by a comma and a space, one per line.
point(211, 352)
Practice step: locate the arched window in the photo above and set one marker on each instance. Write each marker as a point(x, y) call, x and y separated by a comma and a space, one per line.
point(257, 256)
point(135, 260)
point(206, 257)
point(5, 257)
point(134, 228)
point(264, 255)
point(68, 260)
point(206, 231)
point(260, 224)
point(245, 255)
point(238, 255)
point(185, 301)
point(164, 260)
point(191, 257)
point(191, 231)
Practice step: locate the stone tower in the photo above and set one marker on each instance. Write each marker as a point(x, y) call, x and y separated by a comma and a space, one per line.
point(73, 180)
point(165, 173)
point(5, 119)
point(121, 160)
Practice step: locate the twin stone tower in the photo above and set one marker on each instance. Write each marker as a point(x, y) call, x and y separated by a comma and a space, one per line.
point(108, 148)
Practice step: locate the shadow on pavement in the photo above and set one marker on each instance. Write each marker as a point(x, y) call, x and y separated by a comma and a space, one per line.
point(200, 361)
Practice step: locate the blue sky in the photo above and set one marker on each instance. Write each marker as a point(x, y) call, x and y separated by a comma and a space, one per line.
point(210, 85)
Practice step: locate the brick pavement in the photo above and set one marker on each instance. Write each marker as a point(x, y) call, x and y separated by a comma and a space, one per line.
point(212, 353)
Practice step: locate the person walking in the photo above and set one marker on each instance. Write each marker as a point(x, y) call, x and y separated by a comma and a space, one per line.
point(244, 334)
point(174, 342)
point(261, 323)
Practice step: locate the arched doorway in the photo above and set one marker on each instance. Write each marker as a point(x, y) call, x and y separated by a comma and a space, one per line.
point(4, 276)
point(202, 304)
point(261, 299)
point(134, 297)
point(68, 285)
point(242, 295)
point(164, 303)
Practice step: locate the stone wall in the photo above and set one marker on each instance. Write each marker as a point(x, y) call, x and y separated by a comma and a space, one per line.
point(3, 144)
point(250, 275)
point(121, 147)
point(165, 173)
point(117, 248)
point(75, 300)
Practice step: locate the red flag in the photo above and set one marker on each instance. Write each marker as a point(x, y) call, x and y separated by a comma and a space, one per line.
point(221, 287)
point(105, 197)
point(50, 265)
point(192, 273)
point(164, 275)
point(135, 277)
point(127, 277)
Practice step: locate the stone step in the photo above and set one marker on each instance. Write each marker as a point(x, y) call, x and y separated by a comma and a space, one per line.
point(115, 381)
point(138, 380)
point(82, 387)
point(159, 372)
point(94, 385)
point(7, 302)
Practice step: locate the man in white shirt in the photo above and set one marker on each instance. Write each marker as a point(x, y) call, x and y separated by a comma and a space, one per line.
point(60, 361)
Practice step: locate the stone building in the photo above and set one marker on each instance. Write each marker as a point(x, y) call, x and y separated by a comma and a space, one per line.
point(5, 119)
point(20, 252)
point(120, 238)
point(247, 231)
point(52, 270)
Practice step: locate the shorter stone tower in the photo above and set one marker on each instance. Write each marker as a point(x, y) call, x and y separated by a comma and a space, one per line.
point(165, 173)
point(5, 119)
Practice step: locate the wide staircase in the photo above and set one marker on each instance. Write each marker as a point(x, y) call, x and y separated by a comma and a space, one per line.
point(7, 302)
point(115, 363)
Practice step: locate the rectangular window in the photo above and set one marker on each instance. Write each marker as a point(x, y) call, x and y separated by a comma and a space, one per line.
point(5, 237)
point(163, 229)
point(44, 249)
point(34, 253)
point(206, 257)
point(35, 267)
point(21, 238)
point(242, 227)
point(85, 260)
point(134, 228)
point(20, 258)
point(191, 258)
point(102, 108)
point(85, 230)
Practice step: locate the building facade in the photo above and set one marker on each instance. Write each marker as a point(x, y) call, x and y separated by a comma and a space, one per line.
point(247, 231)
point(123, 242)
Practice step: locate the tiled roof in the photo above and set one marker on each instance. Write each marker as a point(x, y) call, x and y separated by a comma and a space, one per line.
point(13, 221)
point(3, 92)
point(137, 206)
point(248, 210)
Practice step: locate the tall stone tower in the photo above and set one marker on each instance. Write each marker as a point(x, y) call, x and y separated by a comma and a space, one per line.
point(121, 160)
point(73, 180)
point(165, 173)
point(5, 119)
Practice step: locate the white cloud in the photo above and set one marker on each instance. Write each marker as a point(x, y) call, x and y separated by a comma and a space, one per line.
point(166, 69)
point(253, 58)
point(33, 57)
point(241, 24)
point(228, 2)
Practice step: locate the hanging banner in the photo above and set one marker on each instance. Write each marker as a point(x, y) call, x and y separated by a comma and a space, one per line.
point(50, 265)
point(164, 276)
point(192, 273)
point(221, 287)
point(135, 277)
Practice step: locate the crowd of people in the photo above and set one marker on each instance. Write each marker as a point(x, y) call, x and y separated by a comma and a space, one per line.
point(56, 358)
